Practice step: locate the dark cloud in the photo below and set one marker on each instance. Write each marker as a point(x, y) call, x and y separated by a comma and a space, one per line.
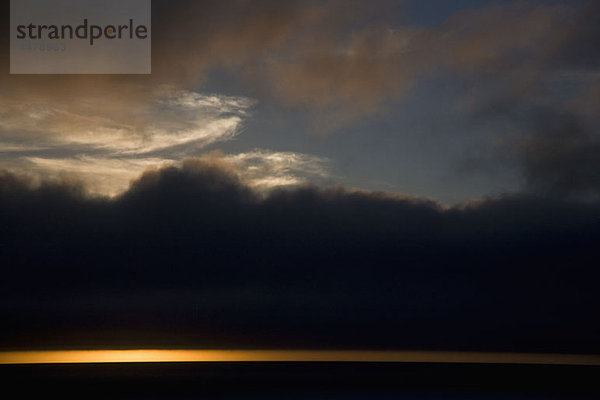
point(189, 256)
point(540, 88)
point(553, 141)
point(561, 158)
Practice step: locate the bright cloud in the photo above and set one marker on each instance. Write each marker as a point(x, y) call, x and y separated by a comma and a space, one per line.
point(265, 169)
point(173, 118)
point(106, 144)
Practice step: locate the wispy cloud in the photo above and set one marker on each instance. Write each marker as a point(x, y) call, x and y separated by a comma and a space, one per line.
point(264, 169)
point(174, 118)
point(103, 145)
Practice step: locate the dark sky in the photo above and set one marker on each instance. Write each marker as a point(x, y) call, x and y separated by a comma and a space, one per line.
point(312, 174)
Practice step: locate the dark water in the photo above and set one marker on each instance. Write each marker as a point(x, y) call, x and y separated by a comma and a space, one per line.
point(352, 381)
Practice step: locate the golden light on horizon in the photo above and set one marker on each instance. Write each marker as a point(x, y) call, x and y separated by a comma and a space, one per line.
point(183, 355)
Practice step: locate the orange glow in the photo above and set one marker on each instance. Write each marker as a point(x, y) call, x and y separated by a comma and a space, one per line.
point(127, 356)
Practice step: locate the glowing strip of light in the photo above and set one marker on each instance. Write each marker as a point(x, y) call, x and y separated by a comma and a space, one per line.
point(156, 355)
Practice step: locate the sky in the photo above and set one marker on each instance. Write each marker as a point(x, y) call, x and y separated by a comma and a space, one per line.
point(308, 174)
point(443, 101)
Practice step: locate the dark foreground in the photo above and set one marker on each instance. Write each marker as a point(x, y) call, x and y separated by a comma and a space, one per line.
point(300, 381)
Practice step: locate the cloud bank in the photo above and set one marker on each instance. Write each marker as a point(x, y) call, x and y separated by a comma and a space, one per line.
point(191, 256)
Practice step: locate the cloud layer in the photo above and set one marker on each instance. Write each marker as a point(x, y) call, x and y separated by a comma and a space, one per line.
point(191, 256)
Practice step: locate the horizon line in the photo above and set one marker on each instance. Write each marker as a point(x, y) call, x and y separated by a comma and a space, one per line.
point(195, 355)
